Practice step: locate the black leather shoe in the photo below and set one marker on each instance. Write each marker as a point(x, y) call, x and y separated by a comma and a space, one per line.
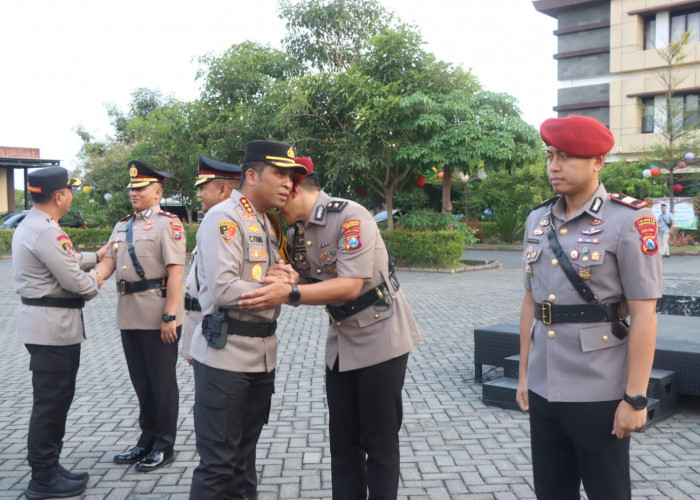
point(48, 483)
point(132, 456)
point(155, 460)
point(75, 476)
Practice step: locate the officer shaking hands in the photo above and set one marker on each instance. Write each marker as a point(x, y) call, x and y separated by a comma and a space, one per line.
point(148, 255)
point(50, 278)
point(343, 263)
point(591, 260)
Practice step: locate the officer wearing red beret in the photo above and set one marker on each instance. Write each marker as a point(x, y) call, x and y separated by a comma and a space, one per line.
point(591, 262)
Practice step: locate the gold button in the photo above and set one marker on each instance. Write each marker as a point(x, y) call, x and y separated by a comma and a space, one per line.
point(143, 237)
point(555, 262)
point(308, 243)
point(376, 315)
point(552, 297)
point(123, 268)
point(605, 338)
point(563, 231)
point(187, 312)
point(337, 323)
point(318, 271)
point(152, 290)
point(187, 286)
point(551, 334)
point(585, 258)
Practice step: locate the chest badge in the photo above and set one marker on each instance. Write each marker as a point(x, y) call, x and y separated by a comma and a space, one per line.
point(591, 231)
point(256, 271)
point(584, 274)
point(544, 222)
point(589, 240)
point(595, 256)
point(538, 231)
point(596, 222)
point(574, 255)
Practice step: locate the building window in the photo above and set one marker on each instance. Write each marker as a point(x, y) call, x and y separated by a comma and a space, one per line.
point(648, 115)
point(650, 32)
point(685, 21)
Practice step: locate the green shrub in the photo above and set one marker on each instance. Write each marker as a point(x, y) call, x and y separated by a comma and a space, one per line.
point(425, 248)
point(509, 227)
point(490, 229)
point(5, 240)
point(91, 237)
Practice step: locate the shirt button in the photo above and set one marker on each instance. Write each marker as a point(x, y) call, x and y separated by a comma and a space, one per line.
point(337, 323)
point(555, 262)
point(187, 312)
point(123, 268)
point(187, 287)
point(563, 231)
point(376, 315)
point(552, 297)
point(318, 271)
point(152, 290)
point(551, 334)
point(308, 243)
point(605, 338)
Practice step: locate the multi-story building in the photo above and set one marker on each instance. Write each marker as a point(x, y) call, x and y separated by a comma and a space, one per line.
point(609, 64)
point(12, 159)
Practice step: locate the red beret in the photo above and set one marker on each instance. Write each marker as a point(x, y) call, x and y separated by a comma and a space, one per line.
point(308, 163)
point(577, 135)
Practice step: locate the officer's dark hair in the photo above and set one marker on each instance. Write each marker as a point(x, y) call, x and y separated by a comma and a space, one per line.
point(258, 166)
point(311, 183)
point(41, 198)
point(664, 205)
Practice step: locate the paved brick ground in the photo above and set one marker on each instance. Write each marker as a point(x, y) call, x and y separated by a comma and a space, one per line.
point(453, 446)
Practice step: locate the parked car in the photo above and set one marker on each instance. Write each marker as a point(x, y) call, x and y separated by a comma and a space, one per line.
point(74, 218)
point(381, 216)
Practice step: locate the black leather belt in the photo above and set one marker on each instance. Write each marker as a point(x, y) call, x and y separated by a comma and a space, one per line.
point(549, 313)
point(127, 287)
point(251, 328)
point(339, 313)
point(192, 303)
point(77, 303)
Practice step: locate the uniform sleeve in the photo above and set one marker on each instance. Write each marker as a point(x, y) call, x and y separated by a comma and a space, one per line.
point(173, 242)
point(639, 261)
point(110, 250)
point(356, 239)
point(220, 254)
point(56, 253)
point(88, 260)
point(527, 278)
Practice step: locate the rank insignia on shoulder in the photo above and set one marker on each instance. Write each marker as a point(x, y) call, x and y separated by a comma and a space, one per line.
point(167, 214)
point(65, 243)
point(628, 200)
point(550, 201)
point(336, 205)
point(126, 217)
point(227, 230)
point(246, 204)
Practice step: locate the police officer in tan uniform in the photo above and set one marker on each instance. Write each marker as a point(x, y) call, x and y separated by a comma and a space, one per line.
point(234, 351)
point(343, 263)
point(591, 259)
point(148, 255)
point(49, 276)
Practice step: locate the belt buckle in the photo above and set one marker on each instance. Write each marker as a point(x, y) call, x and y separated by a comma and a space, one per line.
point(547, 313)
point(380, 295)
point(330, 315)
point(122, 287)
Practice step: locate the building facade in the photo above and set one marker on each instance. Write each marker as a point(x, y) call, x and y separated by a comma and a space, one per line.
point(609, 65)
point(11, 159)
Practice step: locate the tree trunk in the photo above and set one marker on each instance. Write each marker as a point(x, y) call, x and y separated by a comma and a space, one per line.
point(388, 198)
point(447, 190)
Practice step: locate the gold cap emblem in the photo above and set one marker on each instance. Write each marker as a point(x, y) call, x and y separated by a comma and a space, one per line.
point(290, 152)
point(133, 171)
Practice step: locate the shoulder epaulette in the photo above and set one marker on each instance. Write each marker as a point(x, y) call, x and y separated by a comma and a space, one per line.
point(628, 200)
point(126, 218)
point(336, 205)
point(168, 214)
point(550, 201)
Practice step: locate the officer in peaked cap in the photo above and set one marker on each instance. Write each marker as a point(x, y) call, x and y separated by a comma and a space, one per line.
point(342, 261)
point(148, 255)
point(49, 276)
point(591, 259)
point(234, 352)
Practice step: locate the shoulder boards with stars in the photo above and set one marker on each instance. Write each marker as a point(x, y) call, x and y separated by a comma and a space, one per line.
point(168, 214)
point(336, 205)
point(126, 218)
point(550, 201)
point(628, 200)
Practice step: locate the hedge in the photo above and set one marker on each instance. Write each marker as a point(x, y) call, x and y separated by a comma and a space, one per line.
point(425, 248)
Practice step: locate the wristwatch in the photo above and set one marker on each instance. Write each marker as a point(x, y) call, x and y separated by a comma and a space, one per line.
point(637, 402)
point(168, 317)
point(294, 295)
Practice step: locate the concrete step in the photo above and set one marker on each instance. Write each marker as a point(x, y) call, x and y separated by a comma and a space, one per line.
point(663, 385)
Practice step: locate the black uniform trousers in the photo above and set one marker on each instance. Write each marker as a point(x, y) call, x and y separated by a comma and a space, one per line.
point(572, 442)
point(151, 366)
point(54, 370)
point(366, 410)
point(230, 409)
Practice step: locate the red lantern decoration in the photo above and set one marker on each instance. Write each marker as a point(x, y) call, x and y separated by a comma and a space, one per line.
point(655, 171)
point(677, 188)
point(441, 174)
point(360, 191)
point(420, 181)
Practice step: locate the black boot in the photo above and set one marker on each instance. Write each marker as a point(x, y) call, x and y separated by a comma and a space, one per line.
point(76, 476)
point(47, 482)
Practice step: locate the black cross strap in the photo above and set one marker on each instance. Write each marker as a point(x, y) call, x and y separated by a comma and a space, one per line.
point(130, 247)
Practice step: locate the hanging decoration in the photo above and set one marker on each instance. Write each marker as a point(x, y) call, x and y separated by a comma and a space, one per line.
point(646, 173)
point(655, 171)
point(677, 188)
point(690, 156)
point(420, 181)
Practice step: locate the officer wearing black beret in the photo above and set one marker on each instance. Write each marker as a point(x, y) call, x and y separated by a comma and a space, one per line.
point(49, 276)
point(148, 255)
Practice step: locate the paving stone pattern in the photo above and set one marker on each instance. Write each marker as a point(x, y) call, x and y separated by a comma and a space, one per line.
point(452, 445)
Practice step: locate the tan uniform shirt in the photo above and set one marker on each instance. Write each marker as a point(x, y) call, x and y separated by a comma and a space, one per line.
point(45, 265)
point(236, 245)
point(159, 241)
point(192, 318)
point(341, 239)
point(612, 247)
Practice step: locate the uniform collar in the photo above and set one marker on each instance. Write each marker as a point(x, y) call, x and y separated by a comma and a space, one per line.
point(43, 215)
point(242, 201)
point(319, 211)
point(593, 207)
point(149, 212)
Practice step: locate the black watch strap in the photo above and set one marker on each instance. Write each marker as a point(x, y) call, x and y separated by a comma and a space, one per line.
point(637, 402)
point(168, 317)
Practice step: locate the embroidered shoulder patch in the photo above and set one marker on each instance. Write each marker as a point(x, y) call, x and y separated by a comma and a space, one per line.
point(336, 205)
point(168, 214)
point(352, 242)
point(351, 226)
point(647, 228)
point(227, 230)
point(176, 229)
point(65, 243)
point(628, 200)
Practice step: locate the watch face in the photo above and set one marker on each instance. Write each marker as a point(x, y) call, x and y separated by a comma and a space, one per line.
point(637, 402)
point(294, 295)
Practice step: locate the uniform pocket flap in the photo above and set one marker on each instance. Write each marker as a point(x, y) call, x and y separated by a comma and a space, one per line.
point(211, 398)
point(598, 337)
